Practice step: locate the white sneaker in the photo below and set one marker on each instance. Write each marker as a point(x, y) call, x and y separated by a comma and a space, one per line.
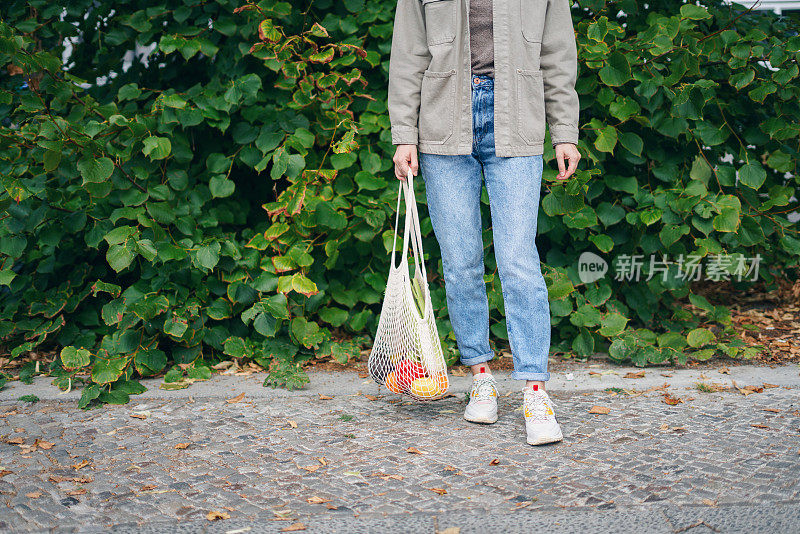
point(482, 407)
point(540, 420)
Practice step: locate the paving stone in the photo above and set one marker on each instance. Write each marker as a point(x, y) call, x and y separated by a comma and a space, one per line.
point(244, 458)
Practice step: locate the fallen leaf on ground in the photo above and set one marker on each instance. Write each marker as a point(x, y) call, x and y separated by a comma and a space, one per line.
point(768, 386)
point(760, 426)
point(371, 397)
point(709, 502)
point(58, 478)
point(15, 441)
point(80, 465)
point(450, 530)
point(668, 375)
point(496, 461)
point(294, 527)
point(34, 494)
point(138, 416)
point(669, 399)
point(724, 371)
point(636, 374)
point(324, 397)
point(773, 410)
point(182, 445)
point(79, 491)
point(413, 450)
point(4, 472)
point(363, 375)
point(292, 424)
point(392, 477)
point(600, 410)
point(148, 487)
point(237, 398)
point(317, 500)
point(309, 468)
point(214, 515)
point(322, 460)
point(440, 491)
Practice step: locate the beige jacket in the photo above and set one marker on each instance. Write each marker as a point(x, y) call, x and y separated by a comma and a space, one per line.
point(535, 67)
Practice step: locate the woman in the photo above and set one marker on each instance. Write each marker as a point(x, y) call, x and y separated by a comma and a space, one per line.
point(471, 85)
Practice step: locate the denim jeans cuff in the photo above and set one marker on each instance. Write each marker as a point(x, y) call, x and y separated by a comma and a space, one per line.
point(475, 360)
point(524, 375)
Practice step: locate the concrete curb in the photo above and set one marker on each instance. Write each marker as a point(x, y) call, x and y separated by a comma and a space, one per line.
point(590, 378)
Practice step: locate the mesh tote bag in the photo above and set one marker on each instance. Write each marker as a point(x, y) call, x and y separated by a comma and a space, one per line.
point(407, 354)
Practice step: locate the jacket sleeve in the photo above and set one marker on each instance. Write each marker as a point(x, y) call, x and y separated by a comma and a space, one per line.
point(559, 65)
point(408, 59)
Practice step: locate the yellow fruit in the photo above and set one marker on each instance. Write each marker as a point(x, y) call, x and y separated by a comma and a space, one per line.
point(391, 383)
point(424, 387)
point(441, 384)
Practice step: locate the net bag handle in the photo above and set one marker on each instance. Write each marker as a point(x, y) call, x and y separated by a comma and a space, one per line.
point(412, 215)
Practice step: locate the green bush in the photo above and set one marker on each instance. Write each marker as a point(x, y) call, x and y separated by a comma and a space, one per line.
point(184, 185)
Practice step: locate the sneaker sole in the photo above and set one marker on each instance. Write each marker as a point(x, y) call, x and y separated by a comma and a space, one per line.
point(484, 421)
point(546, 439)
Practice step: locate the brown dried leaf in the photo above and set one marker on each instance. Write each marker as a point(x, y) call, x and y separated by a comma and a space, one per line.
point(669, 399)
point(214, 515)
point(34, 494)
point(43, 444)
point(309, 468)
point(724, 370)
point(4, 472)
point(292, 424)
point(636, 374)
point(317, 500)
point(182, 445)
point(15, 441)
point(773, 410)
point(709, 502)
point(414, 450)
point(237, 398)
point(765, 427)
point(79, 491)
point(371, 397)
point(80, 465)
point(148, 487)
point(138, 416)
point(324, 397)
point(600, 410)
point(440, 491)
point(496, 461)
point(294, 527)
point(322, 460)
point(769, 386)
point(392, 477)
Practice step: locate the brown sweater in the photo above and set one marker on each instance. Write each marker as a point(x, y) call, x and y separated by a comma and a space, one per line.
point(481, 37)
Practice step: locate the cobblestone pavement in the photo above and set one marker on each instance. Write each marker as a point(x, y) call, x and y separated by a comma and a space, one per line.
point(714, 462)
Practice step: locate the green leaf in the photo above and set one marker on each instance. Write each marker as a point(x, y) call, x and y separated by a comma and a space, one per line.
point(106, 371)
point(74, 358)
point(616, 71)
point(119, 257)
point(95, 170)
point(221, 187)
point(699, 337)
point(156, 147)
point(752, 175)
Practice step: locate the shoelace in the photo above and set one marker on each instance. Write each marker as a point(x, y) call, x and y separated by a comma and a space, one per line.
point(536, 405)
point(482, 388)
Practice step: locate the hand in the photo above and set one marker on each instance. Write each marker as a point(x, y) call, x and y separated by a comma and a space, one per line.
point(405, 157)
point(569, 152)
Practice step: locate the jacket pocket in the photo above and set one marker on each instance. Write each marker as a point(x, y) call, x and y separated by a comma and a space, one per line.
point(436, 108)
point(530, 99)
point(440, 20)
point(531, 16)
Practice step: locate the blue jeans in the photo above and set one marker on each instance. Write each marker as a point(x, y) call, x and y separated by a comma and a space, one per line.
point(453, 188)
